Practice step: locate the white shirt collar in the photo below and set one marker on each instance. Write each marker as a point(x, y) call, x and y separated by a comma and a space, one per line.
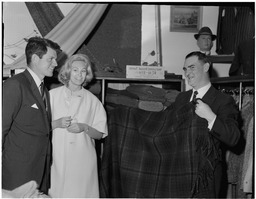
point(202, 91)
point(206, 52)
point(35, 77)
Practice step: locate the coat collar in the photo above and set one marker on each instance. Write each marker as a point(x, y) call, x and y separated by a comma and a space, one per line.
point(33, 86)
point(210, 95)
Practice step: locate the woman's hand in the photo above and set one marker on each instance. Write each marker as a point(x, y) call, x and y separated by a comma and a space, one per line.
point(77, 128)
point(62, 122)
point(82, 127)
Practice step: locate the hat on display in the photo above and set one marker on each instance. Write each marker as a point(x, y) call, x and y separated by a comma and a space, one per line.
point(205, 31)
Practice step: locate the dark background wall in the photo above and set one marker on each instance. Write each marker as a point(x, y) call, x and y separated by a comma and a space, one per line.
point(116, 40)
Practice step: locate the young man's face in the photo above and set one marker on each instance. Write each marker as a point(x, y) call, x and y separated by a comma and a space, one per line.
point(205, 43)
point(45, 66)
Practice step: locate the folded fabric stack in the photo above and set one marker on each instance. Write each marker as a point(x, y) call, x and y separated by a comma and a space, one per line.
point(170, 97)
point(151, 106)
point(145, 97)
point(121, 97)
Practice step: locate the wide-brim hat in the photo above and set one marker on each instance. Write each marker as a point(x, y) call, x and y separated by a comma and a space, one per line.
point(205, 31)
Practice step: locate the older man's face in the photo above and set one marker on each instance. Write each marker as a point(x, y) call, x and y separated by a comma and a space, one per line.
point(195, 72)
point(205, 43)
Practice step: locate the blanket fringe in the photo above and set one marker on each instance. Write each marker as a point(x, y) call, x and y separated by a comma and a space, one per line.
point(209, 157)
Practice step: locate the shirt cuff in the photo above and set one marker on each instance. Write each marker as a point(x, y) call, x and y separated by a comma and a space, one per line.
point(210, 124)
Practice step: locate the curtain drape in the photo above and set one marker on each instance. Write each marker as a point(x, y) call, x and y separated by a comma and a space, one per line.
point(71, 32)
point(45, 15)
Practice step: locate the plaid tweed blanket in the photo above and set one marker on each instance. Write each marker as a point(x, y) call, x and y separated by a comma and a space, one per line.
point(167, 154)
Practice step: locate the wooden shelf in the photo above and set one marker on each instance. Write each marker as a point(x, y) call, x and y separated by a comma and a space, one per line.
point(118, 79)
point(234, 82)
point(233, 79)
point(106, 80)
point(221, 58)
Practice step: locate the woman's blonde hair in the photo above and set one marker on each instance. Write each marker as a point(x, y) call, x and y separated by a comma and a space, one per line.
point(64, 74)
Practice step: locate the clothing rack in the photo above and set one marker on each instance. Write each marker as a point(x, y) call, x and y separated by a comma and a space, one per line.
point(239, 91)
point(236, 91)
point(236, 83)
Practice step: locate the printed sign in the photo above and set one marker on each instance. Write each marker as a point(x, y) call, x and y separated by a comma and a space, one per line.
point(145, 72)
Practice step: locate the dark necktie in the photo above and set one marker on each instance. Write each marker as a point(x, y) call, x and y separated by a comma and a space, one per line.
point(194, 96)
point(43, 94)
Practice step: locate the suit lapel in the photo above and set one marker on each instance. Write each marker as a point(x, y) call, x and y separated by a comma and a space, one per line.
point(187, 96)
point(210, 96)
point(34, 88)
point(37, 95)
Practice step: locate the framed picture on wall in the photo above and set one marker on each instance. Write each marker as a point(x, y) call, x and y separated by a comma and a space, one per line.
point(186, 18)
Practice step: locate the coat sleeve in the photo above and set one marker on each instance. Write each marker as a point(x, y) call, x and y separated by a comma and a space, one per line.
point(100, 119)
point(11, 105)
point(225, 127)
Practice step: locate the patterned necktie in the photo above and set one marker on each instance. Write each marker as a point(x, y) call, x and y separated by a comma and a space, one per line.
point(46, 100)
point(194, 96)
point(43, 94)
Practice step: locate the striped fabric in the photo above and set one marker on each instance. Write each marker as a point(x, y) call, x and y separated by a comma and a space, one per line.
point(45, 15)
point(235, 24)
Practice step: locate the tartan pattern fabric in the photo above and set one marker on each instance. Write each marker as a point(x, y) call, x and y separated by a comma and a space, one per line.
point(157, 154)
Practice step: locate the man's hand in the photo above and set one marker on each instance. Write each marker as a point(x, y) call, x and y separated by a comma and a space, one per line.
point(204, 111)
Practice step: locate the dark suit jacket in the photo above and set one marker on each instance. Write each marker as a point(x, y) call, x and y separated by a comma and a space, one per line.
point(26, 136)
point(225, 129)
point(244, 60)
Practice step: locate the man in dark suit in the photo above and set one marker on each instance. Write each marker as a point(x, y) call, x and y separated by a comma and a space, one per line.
point(26, 127)
point(214, 123)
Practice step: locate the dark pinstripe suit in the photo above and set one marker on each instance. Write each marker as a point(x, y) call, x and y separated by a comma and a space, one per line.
point(235, 24)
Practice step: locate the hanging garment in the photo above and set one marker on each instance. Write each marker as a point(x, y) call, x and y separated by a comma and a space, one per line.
point(244, 60)
point(247, 175)
point(236, 158)
point(235, 24)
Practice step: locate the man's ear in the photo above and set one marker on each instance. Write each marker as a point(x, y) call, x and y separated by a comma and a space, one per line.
point(34, 59)
point(206, 67)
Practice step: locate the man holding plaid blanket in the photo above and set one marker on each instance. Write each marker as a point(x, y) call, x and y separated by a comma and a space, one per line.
point(175, 153)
